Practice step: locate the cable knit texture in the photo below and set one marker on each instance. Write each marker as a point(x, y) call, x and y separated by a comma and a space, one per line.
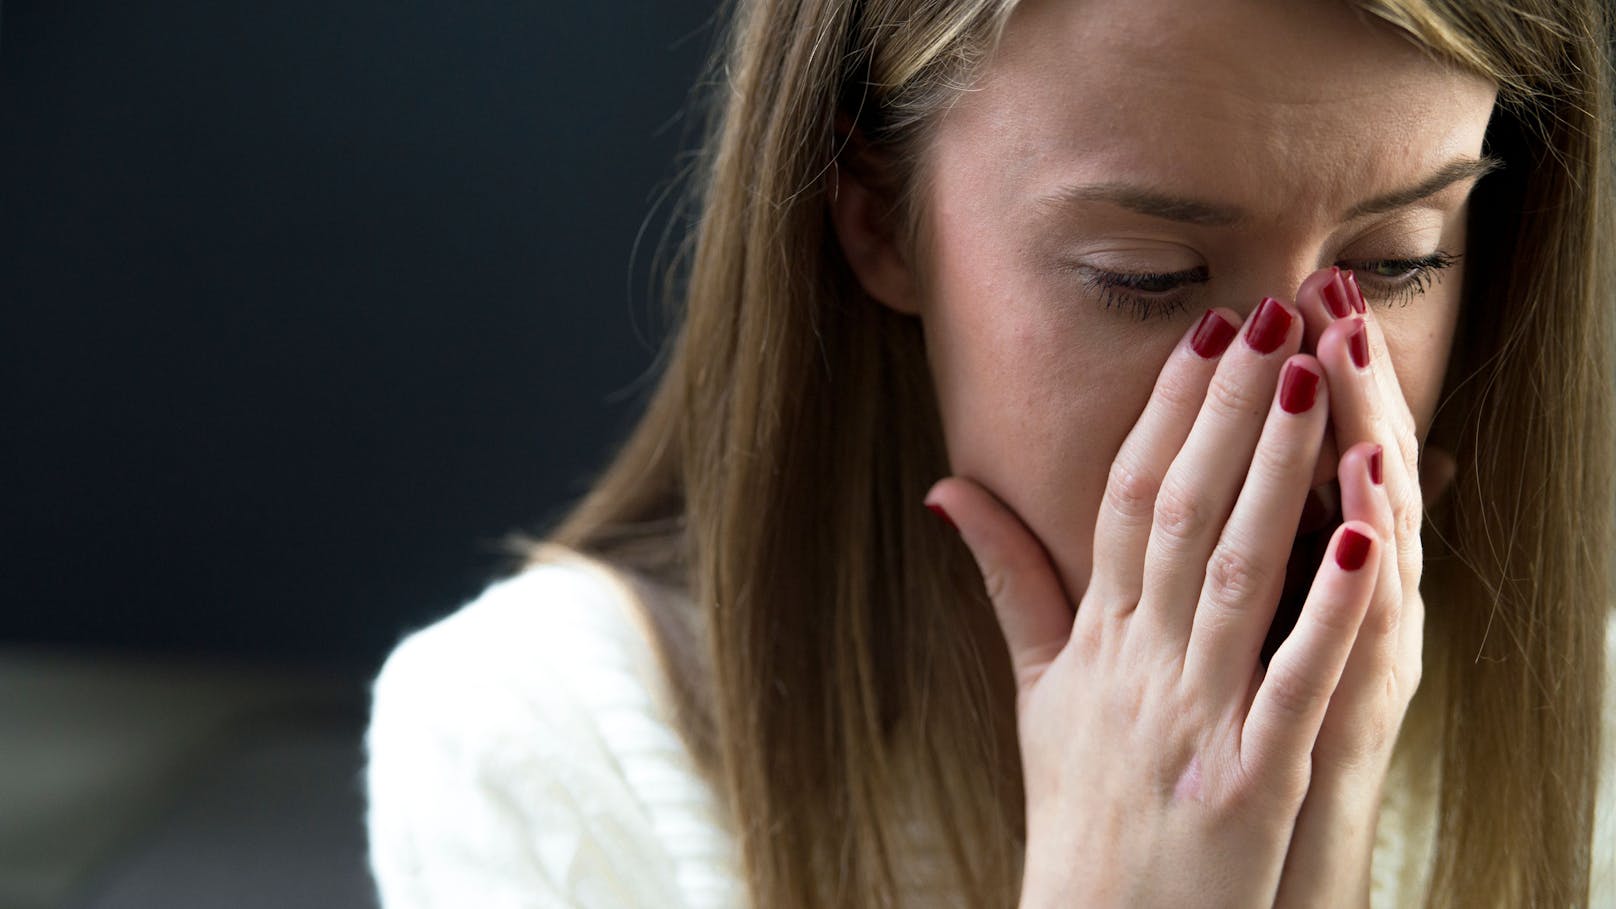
point(522, 754)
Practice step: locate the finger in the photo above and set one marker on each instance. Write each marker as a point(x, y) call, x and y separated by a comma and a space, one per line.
point(1363, 411)
point(1288, 709)
point(1385, 374)
point(1383, 669)
point(1201, 484)
point(1247, 567)
point(1032, 608)
point(1123, 524)
point(1363, 498)
point(1322, 299)
point(1330, 296)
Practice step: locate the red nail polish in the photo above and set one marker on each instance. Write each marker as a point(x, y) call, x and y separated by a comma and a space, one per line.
point(1356, 295)
point(1336, 297)
point(941, 515)
point(1298, 388)
point(1358, 345)
point(1352, 551)
point(1268, 326)
point(1212, 335)
point(1375, 475)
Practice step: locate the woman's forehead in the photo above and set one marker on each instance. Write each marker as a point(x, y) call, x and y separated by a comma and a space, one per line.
point(1273, 100)
point(1298, 51)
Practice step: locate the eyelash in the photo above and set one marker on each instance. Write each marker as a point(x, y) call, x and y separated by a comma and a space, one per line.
point(1122, 290)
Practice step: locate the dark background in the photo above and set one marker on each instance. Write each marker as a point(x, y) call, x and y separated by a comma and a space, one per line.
point(305, 305)
point(308, 303)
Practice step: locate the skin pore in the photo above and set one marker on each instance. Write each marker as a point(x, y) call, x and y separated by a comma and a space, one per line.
point(1123, 165)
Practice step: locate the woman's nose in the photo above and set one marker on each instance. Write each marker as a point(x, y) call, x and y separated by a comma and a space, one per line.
point(1299, 286)
point(1295, 284)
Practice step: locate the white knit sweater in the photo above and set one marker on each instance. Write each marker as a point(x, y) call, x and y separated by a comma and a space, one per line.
point(521, 754)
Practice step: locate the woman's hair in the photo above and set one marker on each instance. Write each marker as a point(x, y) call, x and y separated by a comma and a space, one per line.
point(836, 667)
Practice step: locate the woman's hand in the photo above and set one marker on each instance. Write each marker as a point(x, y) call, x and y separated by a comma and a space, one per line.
point(1163, 764)
point(1329, 859)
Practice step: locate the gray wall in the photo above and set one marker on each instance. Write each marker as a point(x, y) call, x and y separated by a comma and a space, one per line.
point(308, 302)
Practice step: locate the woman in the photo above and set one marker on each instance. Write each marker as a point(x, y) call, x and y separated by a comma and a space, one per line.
point(1185, 301)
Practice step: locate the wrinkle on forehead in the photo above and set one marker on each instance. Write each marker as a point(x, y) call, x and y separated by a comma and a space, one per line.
point(1235, 47)
point(1283, 104)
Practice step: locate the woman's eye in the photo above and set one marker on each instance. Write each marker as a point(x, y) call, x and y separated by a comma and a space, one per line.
point(1400, 280)
point(1145, 295)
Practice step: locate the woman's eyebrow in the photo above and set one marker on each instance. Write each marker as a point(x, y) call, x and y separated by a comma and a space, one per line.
point(1146, 201)
point(1448, 174)
point(1157, 204)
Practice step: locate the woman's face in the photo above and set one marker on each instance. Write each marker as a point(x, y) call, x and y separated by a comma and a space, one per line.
point(1205, 153)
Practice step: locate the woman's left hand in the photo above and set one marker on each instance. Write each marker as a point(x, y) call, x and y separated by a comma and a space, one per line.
point(1333, 841)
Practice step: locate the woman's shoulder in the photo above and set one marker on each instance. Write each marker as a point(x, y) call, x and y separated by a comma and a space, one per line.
point(550, 618)
point(526, 741)
point(555, 645)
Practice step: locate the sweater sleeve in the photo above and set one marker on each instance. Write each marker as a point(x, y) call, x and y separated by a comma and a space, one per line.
point(518, 756)
point(1602, 871)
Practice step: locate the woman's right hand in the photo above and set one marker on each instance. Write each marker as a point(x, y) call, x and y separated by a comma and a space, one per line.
point(1163, 763)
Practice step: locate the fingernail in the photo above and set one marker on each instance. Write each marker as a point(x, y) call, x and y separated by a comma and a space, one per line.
point(1352, 551)
point(1375, 475)
point(1298, 388)
point(1358, 345)
point(1268, 326)
point(1337, 299)
point(1356, 295)
point(1212, 336)
point(941, 515)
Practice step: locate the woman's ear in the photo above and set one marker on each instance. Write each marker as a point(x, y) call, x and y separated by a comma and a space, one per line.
point(858, 212)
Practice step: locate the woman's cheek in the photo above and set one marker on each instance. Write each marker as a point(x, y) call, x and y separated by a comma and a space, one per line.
point(1037, 415)
point(1419, 340)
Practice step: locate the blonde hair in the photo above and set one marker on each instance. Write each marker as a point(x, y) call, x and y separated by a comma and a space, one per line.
point(815, 625)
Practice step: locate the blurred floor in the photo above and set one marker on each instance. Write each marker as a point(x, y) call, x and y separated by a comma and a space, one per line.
point(135, 782)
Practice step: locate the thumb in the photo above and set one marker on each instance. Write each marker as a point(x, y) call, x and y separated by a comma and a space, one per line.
point(1437, 469)
point(1027, 596)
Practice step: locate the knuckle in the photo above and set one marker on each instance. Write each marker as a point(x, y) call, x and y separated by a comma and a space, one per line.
point(1291, 788)
point(1235, 579)
point(1399, 423)
point(1407, 446)
point(1295, 695)
point(1407, 519)
point(1129, 491)
point(1176, 390)
point(1179, 512)
point(1232, 399)
point(1336, 618)
point(1276, 782)
point(1411, 562)
point(1273, 464)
